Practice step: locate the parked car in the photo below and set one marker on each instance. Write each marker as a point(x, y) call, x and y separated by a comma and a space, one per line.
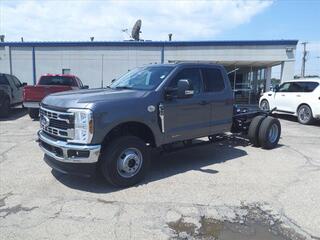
point(299, 97)
point(112, 130)
point(10, 92)
point(49, 83)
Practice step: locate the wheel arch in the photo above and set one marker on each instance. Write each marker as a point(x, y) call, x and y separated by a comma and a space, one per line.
point(301, 104)
point(135, 128)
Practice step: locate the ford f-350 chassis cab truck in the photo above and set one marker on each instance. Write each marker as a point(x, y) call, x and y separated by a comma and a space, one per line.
point(112, 130)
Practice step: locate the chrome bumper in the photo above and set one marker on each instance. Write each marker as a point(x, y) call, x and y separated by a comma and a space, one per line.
point(47, 144)
point(31, 104)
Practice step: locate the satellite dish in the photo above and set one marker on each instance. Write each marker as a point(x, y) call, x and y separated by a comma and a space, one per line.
point(135, 34)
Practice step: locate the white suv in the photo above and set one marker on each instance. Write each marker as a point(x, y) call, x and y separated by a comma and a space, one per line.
point(299, 97)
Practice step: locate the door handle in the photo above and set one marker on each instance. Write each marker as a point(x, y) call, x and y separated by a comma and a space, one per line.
point(283, 95)
point(203, 102)
point(298, 95)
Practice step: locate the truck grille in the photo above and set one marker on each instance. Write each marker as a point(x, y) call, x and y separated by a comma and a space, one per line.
point(55, 123)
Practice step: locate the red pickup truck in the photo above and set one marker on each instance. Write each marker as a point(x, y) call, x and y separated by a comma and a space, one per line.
point(50, 83)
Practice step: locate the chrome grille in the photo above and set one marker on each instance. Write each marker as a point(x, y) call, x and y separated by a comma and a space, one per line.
point(60, 124)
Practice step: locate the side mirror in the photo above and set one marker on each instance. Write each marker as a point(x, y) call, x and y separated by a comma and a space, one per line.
point(85, 87)
point(24, 84)
point(276, 88)
point(184, 89)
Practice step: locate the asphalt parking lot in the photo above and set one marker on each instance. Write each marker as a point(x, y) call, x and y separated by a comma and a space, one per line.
point(228, 181)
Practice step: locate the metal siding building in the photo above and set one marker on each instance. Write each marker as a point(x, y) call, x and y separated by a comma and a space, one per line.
point(97, 63)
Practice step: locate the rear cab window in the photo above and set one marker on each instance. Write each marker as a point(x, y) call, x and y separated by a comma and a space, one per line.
point(3, 80)
point(57, 80)
point(213, 80)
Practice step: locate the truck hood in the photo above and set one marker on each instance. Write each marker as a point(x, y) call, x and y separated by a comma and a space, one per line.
point(87, 98)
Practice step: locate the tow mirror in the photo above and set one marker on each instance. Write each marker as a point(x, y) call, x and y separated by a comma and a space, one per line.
point(184, 89)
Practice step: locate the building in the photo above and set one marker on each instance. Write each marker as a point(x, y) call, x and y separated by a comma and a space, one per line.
point(97, 63)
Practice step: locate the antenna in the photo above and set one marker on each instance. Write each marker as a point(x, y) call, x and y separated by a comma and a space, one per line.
point(135, 33)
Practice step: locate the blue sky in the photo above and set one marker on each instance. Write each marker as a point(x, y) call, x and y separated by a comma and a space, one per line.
point(56, 20)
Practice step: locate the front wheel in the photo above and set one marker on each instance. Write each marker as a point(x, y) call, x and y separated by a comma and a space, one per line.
point(125, 161)
point(305, 114)
point(33, 113)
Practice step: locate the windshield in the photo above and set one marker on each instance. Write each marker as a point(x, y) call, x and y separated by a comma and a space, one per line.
point(57, 80)
point(146, 78)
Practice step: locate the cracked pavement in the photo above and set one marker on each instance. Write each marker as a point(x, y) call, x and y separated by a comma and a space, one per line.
point(220, 181)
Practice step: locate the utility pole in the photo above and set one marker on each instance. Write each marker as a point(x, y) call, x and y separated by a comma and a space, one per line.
point(304, 59)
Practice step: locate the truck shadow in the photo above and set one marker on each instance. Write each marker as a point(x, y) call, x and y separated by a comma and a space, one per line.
point(14, 114)
point(196, 158)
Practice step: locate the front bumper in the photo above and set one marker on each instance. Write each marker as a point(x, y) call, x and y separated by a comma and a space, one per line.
point(83, 169)
point(65, 152)
point(31, 104)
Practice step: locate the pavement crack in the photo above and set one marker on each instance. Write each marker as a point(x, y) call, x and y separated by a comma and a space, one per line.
point(2, 200)
point(4, 154)
point(15, 209)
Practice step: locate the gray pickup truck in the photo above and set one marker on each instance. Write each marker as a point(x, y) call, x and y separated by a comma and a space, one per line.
point(112, 130)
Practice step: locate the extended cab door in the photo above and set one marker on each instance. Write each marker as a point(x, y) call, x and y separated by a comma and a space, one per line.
point(188, 117)
point(218, 93)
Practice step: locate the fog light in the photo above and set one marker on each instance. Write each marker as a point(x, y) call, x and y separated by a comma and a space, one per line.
point(78, 154)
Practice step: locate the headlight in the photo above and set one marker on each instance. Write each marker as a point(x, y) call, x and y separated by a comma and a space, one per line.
point(83, 125)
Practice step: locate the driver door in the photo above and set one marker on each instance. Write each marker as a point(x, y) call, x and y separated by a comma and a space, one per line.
point(187, 118)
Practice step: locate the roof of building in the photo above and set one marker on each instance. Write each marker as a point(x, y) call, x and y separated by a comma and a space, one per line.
point(150, 43)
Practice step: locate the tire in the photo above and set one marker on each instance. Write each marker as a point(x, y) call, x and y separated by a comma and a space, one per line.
point(253, 132)
point(33, 113)
point(264, 105)
point(269, 132)
point(305, 114)
point(5, 108)
point(128, 150)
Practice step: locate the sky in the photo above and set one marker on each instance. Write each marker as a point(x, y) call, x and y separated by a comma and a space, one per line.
point(74, 20)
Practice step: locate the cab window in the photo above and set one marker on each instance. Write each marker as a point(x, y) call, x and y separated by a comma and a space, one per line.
point(191, 74)
point(3, 80)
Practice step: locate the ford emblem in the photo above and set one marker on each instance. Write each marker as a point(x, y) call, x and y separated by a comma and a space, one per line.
point(44, 121)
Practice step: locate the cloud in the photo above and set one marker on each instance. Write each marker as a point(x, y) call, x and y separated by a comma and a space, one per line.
point(78, 20)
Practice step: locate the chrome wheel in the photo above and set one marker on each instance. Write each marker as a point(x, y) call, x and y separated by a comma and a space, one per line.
point(273, 133)
point(304, 114)
point(129, 162)
point(264, 105)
